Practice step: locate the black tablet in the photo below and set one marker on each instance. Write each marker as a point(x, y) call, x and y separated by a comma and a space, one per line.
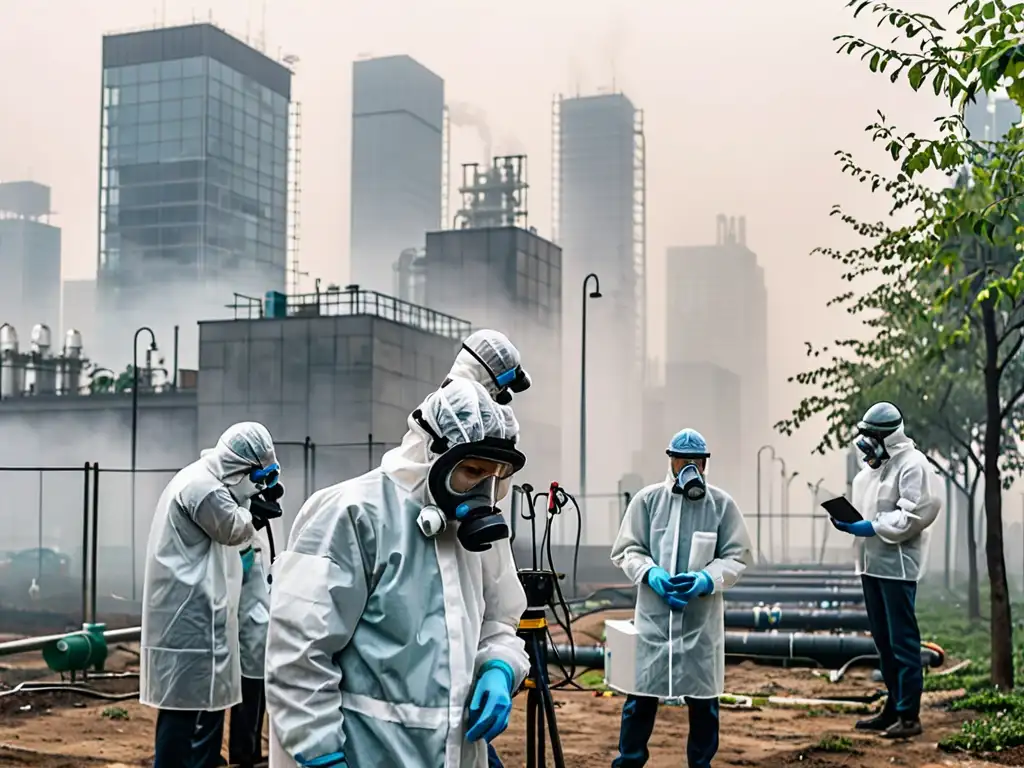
point(842, 510)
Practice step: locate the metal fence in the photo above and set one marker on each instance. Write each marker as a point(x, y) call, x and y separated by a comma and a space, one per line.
point(73, 539)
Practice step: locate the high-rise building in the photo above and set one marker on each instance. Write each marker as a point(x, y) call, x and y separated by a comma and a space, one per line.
point(29, 258)
point(730, 334)
point(397, 151)
point(193, 177)
point(600, 217)
point(496, 274)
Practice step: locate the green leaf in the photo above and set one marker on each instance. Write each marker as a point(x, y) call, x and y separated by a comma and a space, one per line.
point(937, 81)
point(916, 75)
point(875, 58)
point(988, 10)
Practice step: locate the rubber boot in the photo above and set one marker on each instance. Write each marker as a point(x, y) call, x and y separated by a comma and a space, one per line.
point(906, 727)
point(880, 722)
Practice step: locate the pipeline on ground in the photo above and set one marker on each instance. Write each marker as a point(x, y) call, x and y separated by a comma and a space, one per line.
point(792, 649)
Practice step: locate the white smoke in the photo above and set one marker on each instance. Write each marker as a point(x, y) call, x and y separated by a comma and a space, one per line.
point(467, 115)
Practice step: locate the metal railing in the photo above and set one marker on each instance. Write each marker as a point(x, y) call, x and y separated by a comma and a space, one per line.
point(358, 302)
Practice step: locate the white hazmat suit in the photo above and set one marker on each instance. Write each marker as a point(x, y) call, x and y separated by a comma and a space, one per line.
point(901, 499)
point(376, 631)
point(681, 653)
point(490, 359)
point(189, 650)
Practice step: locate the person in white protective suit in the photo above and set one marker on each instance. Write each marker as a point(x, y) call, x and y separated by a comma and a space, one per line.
point(683, 542)
point(492, 360)
point(489, 358)
point(895, 492)
point(395, 605)
point(245, 735)
point(190, 668)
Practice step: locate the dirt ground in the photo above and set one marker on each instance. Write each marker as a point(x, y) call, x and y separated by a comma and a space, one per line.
point(63, 730)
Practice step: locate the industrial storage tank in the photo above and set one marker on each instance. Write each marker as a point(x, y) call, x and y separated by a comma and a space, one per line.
point(72, 362)
point(42, 366)
point(12, 372)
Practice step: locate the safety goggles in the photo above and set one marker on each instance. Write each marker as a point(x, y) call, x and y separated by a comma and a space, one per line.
point(471, 471)
point(266, 477)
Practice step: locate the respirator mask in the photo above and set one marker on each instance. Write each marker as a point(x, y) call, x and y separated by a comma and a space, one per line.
point(466, 482)
point(255, 482)
point(690, 482)
point(873, 449)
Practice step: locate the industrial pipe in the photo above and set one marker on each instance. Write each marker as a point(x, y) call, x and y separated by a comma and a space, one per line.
point(28, 644)
point(795, 619)
point(828, 651)
point(793, 594)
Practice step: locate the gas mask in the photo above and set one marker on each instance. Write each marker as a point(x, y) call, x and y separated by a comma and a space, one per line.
point(466, 482)
point(690, 482)
point(255, 482)
point(513, 380)
point(873, 450)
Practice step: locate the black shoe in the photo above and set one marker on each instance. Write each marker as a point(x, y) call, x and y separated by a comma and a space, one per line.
point(906, 728)
point(880, 722)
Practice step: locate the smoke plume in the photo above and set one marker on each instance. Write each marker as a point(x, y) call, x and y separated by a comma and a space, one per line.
point(470, 116)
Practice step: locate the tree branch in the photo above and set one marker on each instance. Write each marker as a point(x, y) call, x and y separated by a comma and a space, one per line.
point(1011, 403)
point(1010, 355)
point(947, 473)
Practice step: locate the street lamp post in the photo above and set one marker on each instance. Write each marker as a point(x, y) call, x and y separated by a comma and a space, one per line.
point(771, 449)
point(786, 481)
point(782, 506)
point(135, 430)
point(813, 488)
point(595, 294)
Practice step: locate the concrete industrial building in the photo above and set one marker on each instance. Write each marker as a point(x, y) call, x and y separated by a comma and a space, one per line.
point(600, 214)
point(193, 178)
point(339, 367)
point(30, 257)
point(732, 337)
point(397, 158)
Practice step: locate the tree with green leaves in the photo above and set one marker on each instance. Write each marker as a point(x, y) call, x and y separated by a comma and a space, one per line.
point(953, 276)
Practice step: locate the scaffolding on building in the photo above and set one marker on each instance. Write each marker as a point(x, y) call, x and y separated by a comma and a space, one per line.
point(556, 167)
point(446, 165)
point(640, 239)
point(294, 195)
point(495, 196)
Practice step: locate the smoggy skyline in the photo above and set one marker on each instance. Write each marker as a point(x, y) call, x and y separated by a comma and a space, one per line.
point(745, 103)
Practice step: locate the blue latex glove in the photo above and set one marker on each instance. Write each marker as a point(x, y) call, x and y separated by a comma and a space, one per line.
point(660, 581)
point(248, 558)
point(332, 760)
point(491, 704)
point(693, 584)
point(863, 528)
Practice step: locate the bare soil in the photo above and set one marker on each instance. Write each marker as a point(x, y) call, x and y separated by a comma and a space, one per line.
point(47, 730)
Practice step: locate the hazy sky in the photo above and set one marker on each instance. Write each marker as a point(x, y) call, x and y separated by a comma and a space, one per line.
point(745, 102)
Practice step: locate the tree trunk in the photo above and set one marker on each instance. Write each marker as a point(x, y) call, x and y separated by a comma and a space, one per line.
point(1002, 624)
point(973, 583)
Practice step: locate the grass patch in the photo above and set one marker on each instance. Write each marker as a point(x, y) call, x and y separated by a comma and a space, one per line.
point(593, 679)
point(833, 743)
point(115, 713)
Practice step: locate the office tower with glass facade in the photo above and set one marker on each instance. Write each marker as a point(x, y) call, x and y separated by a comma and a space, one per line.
point(193, 176)
point(397, 156)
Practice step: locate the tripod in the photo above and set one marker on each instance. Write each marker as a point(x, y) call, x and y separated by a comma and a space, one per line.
point(539, 586)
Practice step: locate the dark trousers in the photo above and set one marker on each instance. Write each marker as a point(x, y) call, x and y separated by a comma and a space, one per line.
point(638, 716)
point(186, 739)
point(245, 729)
point(493, 761)
point(890, 607)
